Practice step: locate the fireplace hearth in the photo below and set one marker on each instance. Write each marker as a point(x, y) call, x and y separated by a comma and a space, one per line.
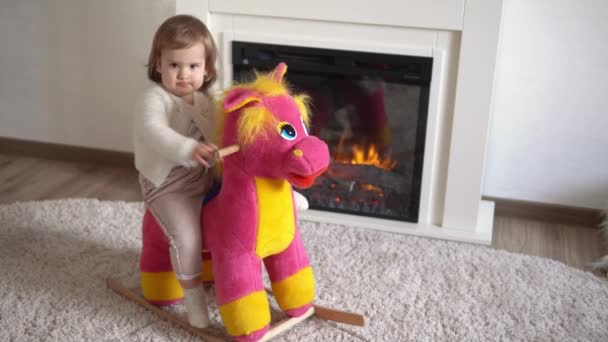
point(371, 109)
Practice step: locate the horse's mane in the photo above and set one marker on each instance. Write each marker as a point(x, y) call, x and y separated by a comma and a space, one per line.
point(257, 120)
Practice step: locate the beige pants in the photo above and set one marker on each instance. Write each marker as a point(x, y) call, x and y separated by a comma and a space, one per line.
point(176, 205)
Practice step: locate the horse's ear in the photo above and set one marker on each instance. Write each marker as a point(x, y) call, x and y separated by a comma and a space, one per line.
point(279, 71)
point(238, 98)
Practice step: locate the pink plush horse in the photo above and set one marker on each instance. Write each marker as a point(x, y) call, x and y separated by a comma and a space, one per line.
point(253, 218)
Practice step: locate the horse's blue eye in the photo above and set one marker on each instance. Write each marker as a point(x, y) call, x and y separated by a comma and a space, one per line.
point(287, 131)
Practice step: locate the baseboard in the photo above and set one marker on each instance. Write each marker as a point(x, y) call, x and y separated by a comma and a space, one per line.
point(547, 212)
point(45, 150)
point(504, 207)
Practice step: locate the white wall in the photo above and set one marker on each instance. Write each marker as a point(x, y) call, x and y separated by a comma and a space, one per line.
point(549, 136)
point(69, 69)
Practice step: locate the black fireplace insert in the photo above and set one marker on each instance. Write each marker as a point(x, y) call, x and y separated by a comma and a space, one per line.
point(371, 109)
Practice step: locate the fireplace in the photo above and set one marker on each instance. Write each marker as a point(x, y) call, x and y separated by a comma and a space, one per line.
point(444, 106)
point(371, 109)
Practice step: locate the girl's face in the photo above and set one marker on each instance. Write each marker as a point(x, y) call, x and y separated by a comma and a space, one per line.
point(182, 71)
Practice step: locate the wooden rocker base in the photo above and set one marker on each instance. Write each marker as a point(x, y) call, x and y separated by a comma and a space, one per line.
point(214, 333)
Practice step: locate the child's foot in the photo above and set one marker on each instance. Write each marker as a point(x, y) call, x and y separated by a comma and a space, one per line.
point(195, 300)
point(301, 202)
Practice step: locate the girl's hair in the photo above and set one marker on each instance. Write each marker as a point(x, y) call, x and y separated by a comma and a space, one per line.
point(181, 32)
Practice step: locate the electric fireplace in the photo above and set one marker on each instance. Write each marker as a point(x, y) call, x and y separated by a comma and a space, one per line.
point(371, 109)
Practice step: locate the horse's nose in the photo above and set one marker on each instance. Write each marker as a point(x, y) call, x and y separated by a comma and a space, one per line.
point(310, 155)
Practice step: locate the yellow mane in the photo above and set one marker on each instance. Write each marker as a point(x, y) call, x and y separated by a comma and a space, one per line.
point(258, 120)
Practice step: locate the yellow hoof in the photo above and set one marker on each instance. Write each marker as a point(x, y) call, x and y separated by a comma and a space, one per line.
point(296, 290)
point(161, 287)
point(246, 314)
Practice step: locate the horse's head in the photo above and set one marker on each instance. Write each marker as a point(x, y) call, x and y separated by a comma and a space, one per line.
point(269, 125)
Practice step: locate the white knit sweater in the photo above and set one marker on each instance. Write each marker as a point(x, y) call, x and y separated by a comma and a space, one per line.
point(160, 131)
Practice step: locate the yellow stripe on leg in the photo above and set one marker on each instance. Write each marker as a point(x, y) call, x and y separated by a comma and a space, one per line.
point(295, 290)
point(246, 314)
point(160, 286)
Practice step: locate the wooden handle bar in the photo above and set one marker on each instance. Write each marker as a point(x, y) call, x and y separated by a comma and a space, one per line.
point(228, 150)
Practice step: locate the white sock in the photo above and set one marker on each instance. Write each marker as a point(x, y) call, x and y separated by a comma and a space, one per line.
point(195, 300)
point(300, 201)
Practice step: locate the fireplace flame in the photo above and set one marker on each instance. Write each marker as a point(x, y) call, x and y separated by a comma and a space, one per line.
point(367, 154)
point(373, 188)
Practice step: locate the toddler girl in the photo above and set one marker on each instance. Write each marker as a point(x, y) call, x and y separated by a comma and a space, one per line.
point(173, 130)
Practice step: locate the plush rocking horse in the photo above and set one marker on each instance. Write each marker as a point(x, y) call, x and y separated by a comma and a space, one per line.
point(252, 219)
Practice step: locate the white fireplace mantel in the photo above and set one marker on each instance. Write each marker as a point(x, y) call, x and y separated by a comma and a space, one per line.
point(460, 35)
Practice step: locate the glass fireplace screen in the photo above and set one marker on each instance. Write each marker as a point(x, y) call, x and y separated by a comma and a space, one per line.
point(371, 110)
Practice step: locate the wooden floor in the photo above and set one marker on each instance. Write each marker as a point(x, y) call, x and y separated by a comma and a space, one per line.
point(26, 178)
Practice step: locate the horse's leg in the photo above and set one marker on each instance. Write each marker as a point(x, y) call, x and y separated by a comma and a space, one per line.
point(158, 282)
point(240, 294)
point(292, 279)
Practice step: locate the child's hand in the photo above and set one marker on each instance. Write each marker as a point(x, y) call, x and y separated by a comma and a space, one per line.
point(206, 154)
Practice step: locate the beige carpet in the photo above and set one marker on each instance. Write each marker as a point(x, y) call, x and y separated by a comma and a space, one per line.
point(55, 255)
